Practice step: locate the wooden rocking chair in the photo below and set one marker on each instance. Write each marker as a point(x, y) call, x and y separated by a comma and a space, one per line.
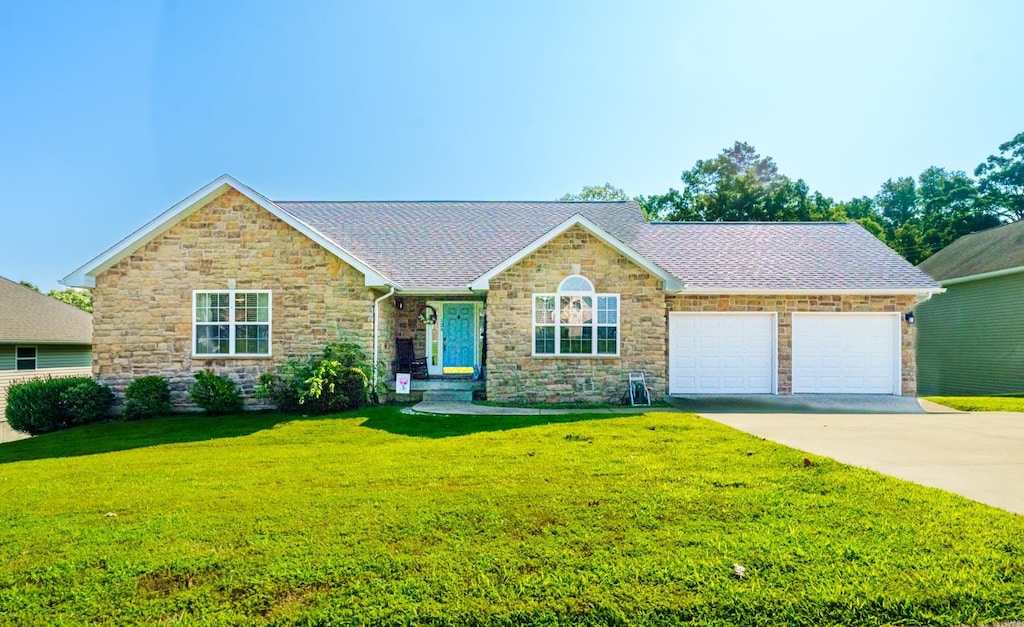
point(407, 361)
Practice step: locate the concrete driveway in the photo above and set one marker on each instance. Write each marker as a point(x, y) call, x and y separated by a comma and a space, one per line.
point(979, 455)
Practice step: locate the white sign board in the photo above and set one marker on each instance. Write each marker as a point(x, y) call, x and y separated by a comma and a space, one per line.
point(402, 381)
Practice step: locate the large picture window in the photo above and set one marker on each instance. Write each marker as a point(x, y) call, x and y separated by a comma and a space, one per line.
point(231, 322)
point(576, 320)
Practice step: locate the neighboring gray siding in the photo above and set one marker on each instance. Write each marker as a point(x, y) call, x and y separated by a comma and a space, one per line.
point(64, 357)
point(970, 340)
point(47, 356)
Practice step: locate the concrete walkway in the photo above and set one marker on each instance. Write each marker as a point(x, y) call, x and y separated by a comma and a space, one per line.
point(453, 408)
point(979, 455)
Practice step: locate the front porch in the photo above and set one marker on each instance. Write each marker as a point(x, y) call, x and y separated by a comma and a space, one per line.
point(447, 332)
point(440, 389)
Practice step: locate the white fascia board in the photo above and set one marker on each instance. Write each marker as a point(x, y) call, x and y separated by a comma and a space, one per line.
point(85, 276)
point(465, 291)
point(671, 283)
point(712, 291)
point(984, 275)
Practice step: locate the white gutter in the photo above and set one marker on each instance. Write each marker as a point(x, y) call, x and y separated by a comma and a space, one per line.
point(983, 275)
point(741, 291)
point(376, 333)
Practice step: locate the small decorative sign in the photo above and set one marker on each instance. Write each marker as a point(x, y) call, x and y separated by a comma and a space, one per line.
point(402, 381)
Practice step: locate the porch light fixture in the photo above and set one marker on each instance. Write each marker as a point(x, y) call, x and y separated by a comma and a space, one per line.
point(400, 303)
point(909, 317)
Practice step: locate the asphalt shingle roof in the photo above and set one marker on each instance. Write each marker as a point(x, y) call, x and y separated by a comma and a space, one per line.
point(446, 245)
point(778, 256)
point(30, 317)
point(1000, 248)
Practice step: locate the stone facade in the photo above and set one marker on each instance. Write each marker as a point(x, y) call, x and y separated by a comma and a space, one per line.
point(515, 375)
point(785, 306)
point(142, 323)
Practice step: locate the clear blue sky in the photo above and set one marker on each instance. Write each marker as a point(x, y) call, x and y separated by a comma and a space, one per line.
point(111, 112)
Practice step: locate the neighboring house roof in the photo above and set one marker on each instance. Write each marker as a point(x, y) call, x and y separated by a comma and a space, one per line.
point(440, 246)
point(1000, 249)
point(778, 257)
point(26, 316)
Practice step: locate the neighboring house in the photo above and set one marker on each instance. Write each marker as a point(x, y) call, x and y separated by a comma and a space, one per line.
point(39, 337)
point(548, 301)
point(971, 338)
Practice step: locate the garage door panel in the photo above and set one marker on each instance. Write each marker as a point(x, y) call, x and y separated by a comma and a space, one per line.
point(721, 353)
point(845, 353)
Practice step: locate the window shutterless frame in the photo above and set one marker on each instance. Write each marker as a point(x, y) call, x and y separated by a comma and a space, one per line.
point(554, 329)
point(26, 358)
point(219, 323)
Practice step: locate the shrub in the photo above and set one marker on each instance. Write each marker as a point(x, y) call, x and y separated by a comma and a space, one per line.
point(87, 401)
point(146, 397)
point(217, 395)
point(47, 405)
point(335, 380)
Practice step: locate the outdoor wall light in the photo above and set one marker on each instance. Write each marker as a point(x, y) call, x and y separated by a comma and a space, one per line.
point(909, 317)
point(400, 303)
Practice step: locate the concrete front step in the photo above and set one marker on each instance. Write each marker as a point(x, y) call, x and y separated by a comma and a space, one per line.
point(461, 396)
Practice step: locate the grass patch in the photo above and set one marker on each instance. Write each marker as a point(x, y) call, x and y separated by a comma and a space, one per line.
point(381, 517)
point(981, 403)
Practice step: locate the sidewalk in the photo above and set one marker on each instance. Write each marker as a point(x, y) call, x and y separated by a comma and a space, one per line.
point(457, 408)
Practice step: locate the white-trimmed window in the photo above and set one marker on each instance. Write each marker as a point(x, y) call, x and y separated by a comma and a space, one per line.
point(26, 358)
point(231, 322)
point(576, 320)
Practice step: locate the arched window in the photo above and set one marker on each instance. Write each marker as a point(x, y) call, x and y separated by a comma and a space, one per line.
point(576, 320)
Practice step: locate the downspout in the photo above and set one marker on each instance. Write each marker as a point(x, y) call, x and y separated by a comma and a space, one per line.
point(376, 332)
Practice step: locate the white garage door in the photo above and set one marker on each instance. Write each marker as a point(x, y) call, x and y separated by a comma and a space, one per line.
point(721, 353)
point(846, 353)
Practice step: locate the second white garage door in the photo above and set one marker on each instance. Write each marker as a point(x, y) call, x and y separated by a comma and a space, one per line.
point(846, 353)
point(728, 353)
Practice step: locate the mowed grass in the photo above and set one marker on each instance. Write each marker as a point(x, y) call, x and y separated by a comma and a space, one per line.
point(981, 403)
point(377, 517)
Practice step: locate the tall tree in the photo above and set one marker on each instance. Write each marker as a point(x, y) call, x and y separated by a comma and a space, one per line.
point(597, 192)
point(1001, 179)
point(30, 285)
point(737, 185)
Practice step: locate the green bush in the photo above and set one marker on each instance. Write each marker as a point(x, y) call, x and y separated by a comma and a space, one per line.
point(47, 405)
point(335, 380)
point(217, 395)
point(146, 397)
point(86, 401)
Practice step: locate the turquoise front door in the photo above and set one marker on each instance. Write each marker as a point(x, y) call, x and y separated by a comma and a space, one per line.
point(458, 333)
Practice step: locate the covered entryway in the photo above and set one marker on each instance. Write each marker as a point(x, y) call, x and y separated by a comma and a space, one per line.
point(721, 353)
point(846, 353)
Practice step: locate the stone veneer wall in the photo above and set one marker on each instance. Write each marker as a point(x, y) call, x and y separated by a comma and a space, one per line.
point(515, 375)
point(142, 323)
point(786, 305)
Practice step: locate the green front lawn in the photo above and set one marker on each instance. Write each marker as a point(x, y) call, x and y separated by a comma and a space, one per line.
point(382, 517)
point(980, 403)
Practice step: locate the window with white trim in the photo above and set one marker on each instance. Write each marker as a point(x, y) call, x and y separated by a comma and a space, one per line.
point(26, 358)
point(231, 322)
point(576, 320)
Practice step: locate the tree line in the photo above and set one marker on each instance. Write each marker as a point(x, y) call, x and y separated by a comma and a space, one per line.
point(916, 217)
